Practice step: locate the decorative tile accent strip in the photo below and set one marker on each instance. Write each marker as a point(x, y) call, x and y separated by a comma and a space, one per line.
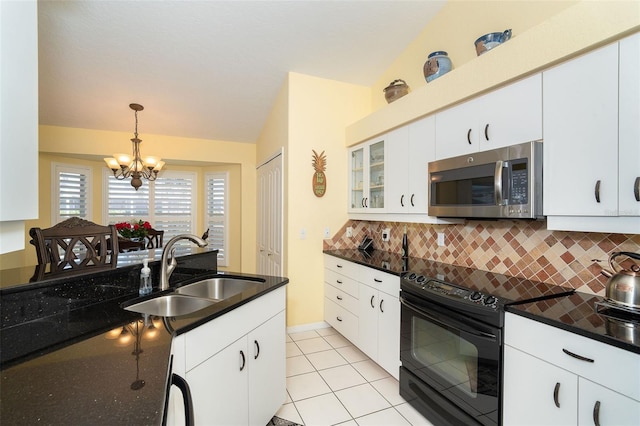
point(523, 249)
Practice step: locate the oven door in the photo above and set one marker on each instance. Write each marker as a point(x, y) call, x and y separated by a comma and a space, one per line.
point(449, 360)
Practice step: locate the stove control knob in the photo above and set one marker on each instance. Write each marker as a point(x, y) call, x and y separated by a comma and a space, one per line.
point(421, 279)
point(475, 296)
point(490, 300)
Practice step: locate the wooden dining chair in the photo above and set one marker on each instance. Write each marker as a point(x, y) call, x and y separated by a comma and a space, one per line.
point(154, 238)
point(76, 245)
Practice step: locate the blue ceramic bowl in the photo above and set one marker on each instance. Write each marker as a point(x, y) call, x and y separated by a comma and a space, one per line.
point(491, 40)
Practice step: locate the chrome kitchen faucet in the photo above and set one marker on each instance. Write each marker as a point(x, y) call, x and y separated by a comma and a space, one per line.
point(168, 261)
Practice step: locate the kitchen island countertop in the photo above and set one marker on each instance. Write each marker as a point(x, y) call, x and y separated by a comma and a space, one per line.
point(72, 355)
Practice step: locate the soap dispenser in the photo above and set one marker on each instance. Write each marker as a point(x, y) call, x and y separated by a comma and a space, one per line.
point(145, 278)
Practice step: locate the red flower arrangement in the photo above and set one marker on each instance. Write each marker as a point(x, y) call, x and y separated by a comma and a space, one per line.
point(133, 229)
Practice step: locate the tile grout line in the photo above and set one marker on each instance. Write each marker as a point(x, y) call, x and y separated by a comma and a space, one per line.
point(316, 370)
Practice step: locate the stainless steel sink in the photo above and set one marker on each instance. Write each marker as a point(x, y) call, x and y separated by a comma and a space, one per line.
point(171, 305)
point(218, 288)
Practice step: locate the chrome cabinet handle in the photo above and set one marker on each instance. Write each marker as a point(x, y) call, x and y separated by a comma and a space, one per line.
point(339, 319)
point(338, 297)
point(338, 281)
point(339, 266)
point(413, 205)
point(244, 361)
point(636, 188)
point(597, 191)
point(576, 356)
point(596, 413)
point(255, 342)
point(469, 136)
point(366, 202)
point(486, 132)
point(377, 280)
point(372, 301)
point(402, 200)
point(556, 390)
point(381, 310)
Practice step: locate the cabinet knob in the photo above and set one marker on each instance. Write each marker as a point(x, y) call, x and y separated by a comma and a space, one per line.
point(556, 391)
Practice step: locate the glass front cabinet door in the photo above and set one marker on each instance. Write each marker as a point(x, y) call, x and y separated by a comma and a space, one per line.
point(366, 174)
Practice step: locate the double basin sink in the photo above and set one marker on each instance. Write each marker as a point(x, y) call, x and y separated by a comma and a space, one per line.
point(196, 296)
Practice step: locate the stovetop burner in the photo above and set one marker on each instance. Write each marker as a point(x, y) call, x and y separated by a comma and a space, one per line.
point(479, 293)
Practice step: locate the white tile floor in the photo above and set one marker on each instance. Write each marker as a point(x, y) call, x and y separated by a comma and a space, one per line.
point(331, 382)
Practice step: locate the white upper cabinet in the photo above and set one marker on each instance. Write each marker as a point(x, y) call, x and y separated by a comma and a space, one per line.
point(410, 149)
point(629, 131)
point(367, 177)
point(592, 142)
point(507, 116)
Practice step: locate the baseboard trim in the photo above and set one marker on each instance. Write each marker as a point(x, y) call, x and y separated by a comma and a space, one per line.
point(308, 327)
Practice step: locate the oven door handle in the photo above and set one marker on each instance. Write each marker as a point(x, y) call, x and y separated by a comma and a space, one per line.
point(449, 322)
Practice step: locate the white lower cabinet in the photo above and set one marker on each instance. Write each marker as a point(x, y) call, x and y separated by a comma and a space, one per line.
point(545, 385)
point(235, 365)
point(362, 304)
point(379, 337)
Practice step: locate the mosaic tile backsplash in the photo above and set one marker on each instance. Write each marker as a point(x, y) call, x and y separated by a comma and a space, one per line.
point(518, 248)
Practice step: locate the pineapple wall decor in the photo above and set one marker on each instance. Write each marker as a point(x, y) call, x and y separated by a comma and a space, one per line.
point(319, 181)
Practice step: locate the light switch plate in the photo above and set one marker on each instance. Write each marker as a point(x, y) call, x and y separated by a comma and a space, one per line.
point(349, 232)
point(386, 234)
point(303, 234)
point(327, 232)
point(441, 242)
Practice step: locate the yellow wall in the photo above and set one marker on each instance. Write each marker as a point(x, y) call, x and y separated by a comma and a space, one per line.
point(455, 29)
point(319, 110)
point(87, 147)
point(572, 30)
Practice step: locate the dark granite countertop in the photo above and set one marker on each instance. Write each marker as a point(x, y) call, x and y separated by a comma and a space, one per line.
point(72, 355)
point(577, 313)
point(573, 312)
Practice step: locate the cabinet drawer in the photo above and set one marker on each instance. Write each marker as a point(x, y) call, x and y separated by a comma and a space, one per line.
point(382, 281)
point(341, 298)
point(342, 282)
point(341, 266)
point(610, 367)
point(342, 320)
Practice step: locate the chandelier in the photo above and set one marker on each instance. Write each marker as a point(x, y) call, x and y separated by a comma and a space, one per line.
point(125, 166)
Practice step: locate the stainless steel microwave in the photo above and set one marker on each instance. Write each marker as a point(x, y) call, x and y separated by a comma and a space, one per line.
point(500, 183)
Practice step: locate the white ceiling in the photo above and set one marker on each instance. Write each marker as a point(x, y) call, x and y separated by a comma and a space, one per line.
point(207, 69)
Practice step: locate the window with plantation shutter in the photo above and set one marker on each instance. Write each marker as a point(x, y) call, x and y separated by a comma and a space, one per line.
point(71, 195)
point(168, 203)
point(174, 201)
point(216, 213)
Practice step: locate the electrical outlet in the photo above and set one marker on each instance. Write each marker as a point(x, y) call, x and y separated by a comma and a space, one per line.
point(441, 242)
point(386, 234)
point(327, 232)
point(349, 232)
point(303, 234)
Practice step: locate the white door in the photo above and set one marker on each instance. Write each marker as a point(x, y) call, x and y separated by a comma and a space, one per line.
point(270, 217)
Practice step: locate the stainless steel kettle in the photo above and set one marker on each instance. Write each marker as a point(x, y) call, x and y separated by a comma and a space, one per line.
point(624, 285)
